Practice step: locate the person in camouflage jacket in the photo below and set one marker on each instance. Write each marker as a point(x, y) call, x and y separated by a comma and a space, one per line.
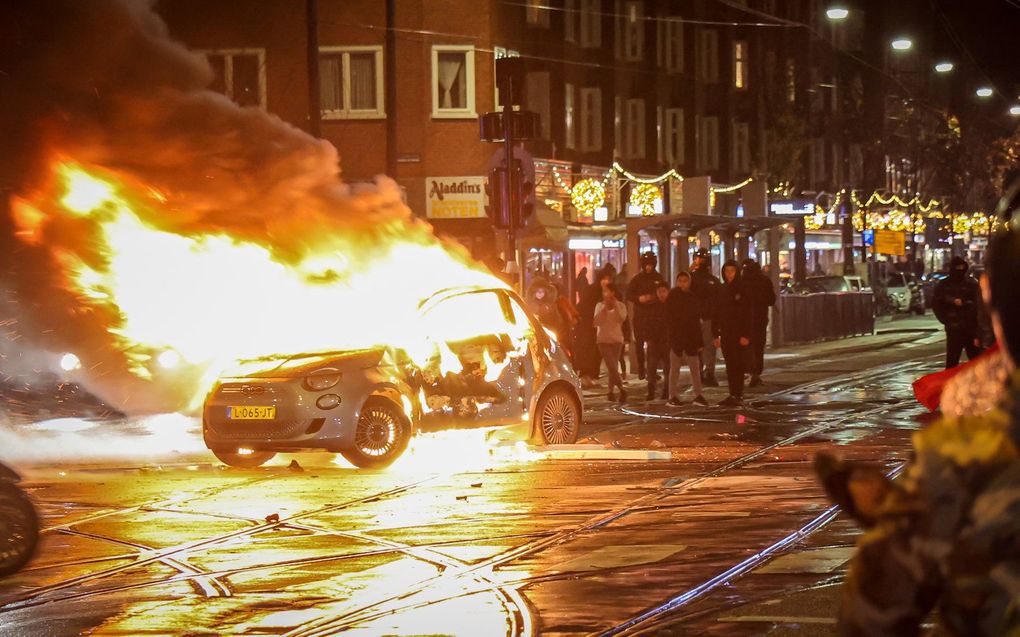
point(946, 534)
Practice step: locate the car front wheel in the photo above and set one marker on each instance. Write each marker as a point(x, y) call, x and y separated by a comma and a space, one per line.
point(243, 459)
point(381, 435)
point(557, 417)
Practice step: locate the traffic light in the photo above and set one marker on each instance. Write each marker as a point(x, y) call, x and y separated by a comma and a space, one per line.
point(526, 190)
point(495, 208)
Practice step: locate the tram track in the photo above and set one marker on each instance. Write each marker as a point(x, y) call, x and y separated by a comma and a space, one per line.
point(34, 597)
point(478, 577)
point(370, 612)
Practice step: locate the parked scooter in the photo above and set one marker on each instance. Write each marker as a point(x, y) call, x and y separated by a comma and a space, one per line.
point(19, 524)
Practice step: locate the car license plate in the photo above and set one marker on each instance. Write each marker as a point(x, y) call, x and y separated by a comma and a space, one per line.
point(251, 412)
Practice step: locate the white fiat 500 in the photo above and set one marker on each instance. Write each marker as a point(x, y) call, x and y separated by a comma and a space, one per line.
point(484, 362)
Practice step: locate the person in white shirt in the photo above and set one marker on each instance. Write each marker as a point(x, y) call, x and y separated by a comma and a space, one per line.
point(610, 315)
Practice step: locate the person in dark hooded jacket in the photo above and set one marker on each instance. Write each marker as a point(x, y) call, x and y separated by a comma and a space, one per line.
point(956, 301)
point(763, 296)
point(641, 292)
point(657, 333)
point(732, 327)
point(686, 342)
point(704, 287)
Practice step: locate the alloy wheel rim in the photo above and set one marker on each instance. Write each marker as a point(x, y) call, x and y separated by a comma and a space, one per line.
point(558, 420)
point(377, 433)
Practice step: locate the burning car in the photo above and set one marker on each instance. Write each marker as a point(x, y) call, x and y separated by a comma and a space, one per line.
point(480, 360)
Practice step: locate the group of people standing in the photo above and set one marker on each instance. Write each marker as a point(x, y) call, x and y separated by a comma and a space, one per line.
point(675, 326)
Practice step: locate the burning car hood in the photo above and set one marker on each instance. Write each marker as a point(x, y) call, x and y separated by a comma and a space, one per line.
point(294, 365)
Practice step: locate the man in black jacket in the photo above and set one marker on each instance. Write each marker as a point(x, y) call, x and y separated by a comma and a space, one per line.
point(956, 301)
point(657, 332)
point(641, 292)
point(732, 330)
point(704, 286)
point(685, 339)
point(763, 296)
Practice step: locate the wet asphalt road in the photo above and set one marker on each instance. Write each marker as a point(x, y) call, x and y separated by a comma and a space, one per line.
point(458, 541)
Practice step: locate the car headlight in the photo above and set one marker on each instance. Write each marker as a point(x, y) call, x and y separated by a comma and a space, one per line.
point(327, 401)
point(322, 379)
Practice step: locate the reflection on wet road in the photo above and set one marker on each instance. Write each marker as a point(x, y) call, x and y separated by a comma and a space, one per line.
point(511, 545)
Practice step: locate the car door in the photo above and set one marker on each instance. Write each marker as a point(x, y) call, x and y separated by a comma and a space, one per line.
point(478, 357)
point(538, 343)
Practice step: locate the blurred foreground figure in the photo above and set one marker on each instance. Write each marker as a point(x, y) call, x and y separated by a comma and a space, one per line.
point(947, 534)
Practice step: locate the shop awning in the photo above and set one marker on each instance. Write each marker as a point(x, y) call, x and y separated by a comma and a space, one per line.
point(545, 228)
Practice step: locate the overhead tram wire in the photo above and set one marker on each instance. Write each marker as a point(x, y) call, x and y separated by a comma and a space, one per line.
point(623, 66)
point(958, 41)
point(664, 19)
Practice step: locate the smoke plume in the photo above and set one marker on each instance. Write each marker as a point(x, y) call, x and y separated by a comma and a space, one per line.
point(104, 84)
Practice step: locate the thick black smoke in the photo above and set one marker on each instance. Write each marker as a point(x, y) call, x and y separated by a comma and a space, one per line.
point(102, 82)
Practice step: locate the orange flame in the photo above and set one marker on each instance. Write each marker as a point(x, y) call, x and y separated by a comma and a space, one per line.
point(204, 300)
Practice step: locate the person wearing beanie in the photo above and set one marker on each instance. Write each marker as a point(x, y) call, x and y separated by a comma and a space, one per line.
point(732, 328)
point(641, 292)
point(956, 301)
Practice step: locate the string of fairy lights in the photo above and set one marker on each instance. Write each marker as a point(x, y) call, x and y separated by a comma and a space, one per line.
point(588, 196)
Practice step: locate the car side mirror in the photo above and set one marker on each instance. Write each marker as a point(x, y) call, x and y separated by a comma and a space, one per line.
point(859, 490)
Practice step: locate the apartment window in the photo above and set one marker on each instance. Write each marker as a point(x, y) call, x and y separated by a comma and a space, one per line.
point(708, 55)
point(569, 117)
point(453, 81)
point(740, 157)
point(591, 119)
point(856, 161)
point(837, 164)
point(634, 125)
point(633, 31)
point(674, 136)
point(670, 44)
point(817, 161)
point(240, 74)
point(658, 134)
point(536, 13)
point(791, 80)
point(570, 21)
point(536, 92)
point(351, 82)
point(815, 90)
point(617, 124)
point(708, 143)
point(740, 64)
point(591, 23)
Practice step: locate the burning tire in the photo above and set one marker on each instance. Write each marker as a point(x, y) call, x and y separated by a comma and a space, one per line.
point(381, 436)
point(557, 417)
point(19, 529)
point(243, 460)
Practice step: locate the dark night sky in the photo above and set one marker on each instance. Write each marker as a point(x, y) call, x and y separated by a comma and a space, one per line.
point(990, 31)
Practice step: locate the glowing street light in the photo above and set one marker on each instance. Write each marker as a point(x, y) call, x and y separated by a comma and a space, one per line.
point(902, 44)
point(984, 91)
point(943, 67)
point(1014, 110)
point(837, 13)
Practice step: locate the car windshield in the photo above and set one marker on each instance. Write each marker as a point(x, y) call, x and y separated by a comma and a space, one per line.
point(896, 280)
point(826, 284)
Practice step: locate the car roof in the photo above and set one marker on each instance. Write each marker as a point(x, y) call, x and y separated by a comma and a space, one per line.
point(450, 292)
